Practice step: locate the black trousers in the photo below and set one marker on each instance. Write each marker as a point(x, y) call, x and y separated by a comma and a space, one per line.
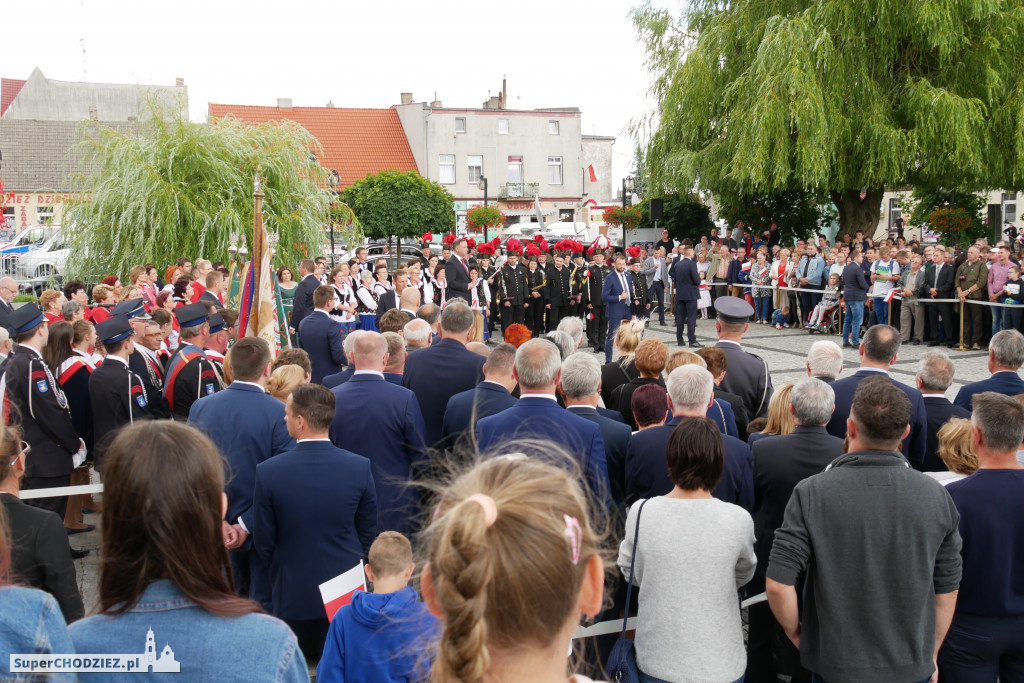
point(686, 314)
point(59, 504)
point(510, 315)
point(933, 313)
point(657, 293)
point(535, 316)
point(555, 315)
point(597, 328)
point(311, 634)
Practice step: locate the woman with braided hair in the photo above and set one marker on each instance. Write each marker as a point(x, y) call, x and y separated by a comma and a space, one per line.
point(512, 566)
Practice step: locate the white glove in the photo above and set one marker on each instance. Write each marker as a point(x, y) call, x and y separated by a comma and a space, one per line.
point(78, 458)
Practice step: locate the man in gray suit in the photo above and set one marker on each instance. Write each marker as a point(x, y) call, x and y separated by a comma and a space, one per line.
point(655, 269)
point(748, 375)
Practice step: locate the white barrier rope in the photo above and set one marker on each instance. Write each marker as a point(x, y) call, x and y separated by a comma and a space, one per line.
point(61, 491)
point(605, 628)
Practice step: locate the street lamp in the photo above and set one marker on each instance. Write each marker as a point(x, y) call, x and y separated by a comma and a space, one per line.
point(483, 186)
point(628, 185)
point(333, 179)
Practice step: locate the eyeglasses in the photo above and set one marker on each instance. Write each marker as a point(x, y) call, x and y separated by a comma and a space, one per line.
point(23, 450)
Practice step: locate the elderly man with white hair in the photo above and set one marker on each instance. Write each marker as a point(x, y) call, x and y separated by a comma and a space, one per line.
point(690, 394)
point(537, 415)
point(348, 346)
point(825, 361)
point(5, 347)
point(574, 328)
point(934, 376)
point(780, 463)
point(417, 334)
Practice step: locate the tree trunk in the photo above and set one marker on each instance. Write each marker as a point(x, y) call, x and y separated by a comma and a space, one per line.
point(856, 213)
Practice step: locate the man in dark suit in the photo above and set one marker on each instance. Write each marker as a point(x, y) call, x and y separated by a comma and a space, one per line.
point(878, 351)
point(616, 295)
point(825, 361)
point(302, 304)
point(445, 368)
point(8, 290)
point(1005, 357)
point(580, 384)
point(718, 364)
point(537, 415)
point(331, 381)
point(395, 368)
point(780, 463)
point(456, 271)
point(938, 283)
point(391, 299)
point(320, 335)
point(934, 376)
point(690, 394)
point(490, 397)
point(248, 427)
point(748, 375)
point(315, 511)
point(148, 370)
point(214, 288)
point(687, 284)
point(383, 422)
point(39, 544)
point(117, 395)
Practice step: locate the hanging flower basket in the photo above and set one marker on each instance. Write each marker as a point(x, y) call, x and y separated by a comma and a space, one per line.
point(480, 218)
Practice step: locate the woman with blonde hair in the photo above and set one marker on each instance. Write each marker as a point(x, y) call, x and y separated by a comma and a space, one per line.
point(955, 451)
point(623, 368)
point(283, 380)
point(512, 566)
point(780, 417)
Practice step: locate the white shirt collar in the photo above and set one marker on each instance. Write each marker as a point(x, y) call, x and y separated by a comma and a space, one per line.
point(368, 372)
point(550, 396)
point(929, 395)
point(250, 384)
point(313, 440)
point(884, 372)
point(730, 341)
point(111, 356)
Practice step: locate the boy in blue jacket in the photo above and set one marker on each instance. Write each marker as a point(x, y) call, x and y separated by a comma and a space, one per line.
point(386, 635)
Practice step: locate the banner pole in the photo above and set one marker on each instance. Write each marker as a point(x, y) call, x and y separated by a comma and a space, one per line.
point(961, 346)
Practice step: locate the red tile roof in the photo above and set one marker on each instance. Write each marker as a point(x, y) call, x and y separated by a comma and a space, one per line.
point(9, 89)
point(355, 141)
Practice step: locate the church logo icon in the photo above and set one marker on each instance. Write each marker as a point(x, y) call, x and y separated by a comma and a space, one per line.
point(165, 663)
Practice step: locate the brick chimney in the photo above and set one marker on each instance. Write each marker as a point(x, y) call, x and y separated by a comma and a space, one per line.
point(407, 98)
point(179, 82)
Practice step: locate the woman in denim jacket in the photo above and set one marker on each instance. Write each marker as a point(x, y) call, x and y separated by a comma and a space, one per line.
point(165, 584)
point(30, 622)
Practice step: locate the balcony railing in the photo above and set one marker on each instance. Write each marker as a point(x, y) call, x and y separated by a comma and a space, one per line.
point(513, 190)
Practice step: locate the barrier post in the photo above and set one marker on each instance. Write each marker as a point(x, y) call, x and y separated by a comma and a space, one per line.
point(961, 346)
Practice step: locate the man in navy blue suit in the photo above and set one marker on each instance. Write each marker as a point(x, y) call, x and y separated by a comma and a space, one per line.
point(1005, 357)
point(878, 351)
point(935, 373)
point(395, 368)
point(321, 337)
point(687, 282)
point(315, 515)
point(445, 368)
point(580, 384)
point(383, 422)
point(302, 304)
point(537, 415)
point(616, 295)
point(248, 427)
point(331, 381)
point(456, 272)
point(490, 397)
point(690, 394)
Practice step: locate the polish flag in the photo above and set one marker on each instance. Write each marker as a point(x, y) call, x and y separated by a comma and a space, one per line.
point(891, 295)
point(338, 591)
point(593, 173)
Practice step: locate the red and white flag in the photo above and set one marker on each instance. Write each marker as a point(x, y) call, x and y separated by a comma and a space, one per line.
point(338, 592)
point(593, 173)
point(891, 295)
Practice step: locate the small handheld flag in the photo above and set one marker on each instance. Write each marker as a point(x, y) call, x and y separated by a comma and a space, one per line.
point(338, 591)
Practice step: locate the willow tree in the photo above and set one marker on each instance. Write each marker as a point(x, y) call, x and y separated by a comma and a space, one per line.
point(171, 188)
point(844, 97)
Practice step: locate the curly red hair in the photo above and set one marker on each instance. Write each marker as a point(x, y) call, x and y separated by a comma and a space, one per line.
point(517, 334)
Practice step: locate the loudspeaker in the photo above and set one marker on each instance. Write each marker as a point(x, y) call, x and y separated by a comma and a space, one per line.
point(657, 209)
point(995, 222)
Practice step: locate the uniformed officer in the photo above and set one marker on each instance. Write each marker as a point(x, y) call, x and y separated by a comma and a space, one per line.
point(490, 275)
point(513, 291)
point(33, 398)
point(748, 375)
point(217, 345)
point(147, 369)
point(597, 320)
point(190, 374)
point(578, 283)
point(118, 395)
point(558, 292)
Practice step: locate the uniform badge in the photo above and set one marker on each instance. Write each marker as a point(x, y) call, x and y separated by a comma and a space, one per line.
point(209, 389)
point(141, 400)
point(43, 386)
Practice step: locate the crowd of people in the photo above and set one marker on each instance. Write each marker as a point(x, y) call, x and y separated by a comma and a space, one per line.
point(491, 482)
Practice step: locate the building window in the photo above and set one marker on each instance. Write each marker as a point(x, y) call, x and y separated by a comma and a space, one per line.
point(1009, 207)
point(44, 214)
point(554, 170)
point(552, 127)
point(447, 171)
point(476, 168)
point(502, 126)
point(460, 125)
point(515, 169)
point(565, 215)
point(7, 221)
point(894, 211)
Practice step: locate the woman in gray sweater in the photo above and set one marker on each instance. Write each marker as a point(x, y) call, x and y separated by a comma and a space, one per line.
point(694, 553)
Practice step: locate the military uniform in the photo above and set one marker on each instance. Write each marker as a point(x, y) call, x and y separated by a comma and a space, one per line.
point(190, 374)
point(489, 274)
point(578, 283)
point(536, 285)
point(559, 293)
point(641, 297)
point(748, 375)
point(597, 321)
point(119, 396)
point(33, 399)
point(513, 293)
point(149, 373)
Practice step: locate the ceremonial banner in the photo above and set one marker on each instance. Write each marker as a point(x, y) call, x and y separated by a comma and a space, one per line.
point(338, 592)
point(258, 315)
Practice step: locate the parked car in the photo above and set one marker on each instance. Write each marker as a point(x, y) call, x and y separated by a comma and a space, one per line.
point(24, 242)
point(49, 260)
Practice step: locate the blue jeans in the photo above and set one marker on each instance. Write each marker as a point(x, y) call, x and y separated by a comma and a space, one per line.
point(851, 323)
point(881, 311)
point(998, 323)
point(763, 306)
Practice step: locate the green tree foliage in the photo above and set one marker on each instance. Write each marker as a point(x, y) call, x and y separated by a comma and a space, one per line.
point(177, 188)
point(835, 96)
point(797, 212)
point(403, 205)
point(684, 216)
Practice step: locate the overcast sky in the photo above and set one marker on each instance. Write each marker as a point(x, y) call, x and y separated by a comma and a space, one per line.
point(555, 53)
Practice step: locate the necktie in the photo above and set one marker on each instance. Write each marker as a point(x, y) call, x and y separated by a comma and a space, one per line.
point(625, 287)
point(807, 262)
